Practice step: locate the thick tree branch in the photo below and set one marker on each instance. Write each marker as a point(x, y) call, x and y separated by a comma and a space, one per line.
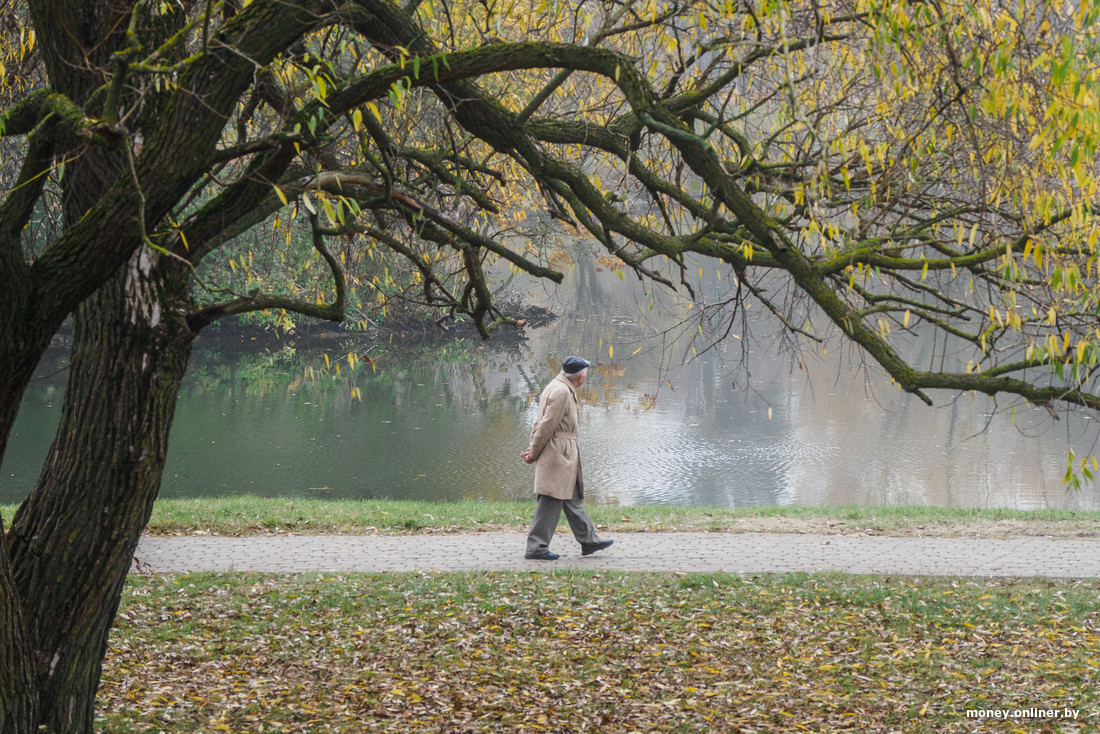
point(176, 153)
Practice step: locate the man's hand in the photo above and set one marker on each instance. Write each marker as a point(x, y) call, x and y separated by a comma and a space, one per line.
point(526, 455)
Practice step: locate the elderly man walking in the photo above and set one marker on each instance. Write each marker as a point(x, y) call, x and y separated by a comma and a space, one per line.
point(559, 483)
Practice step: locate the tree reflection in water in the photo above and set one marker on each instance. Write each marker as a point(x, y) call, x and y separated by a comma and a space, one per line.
point(745, 423)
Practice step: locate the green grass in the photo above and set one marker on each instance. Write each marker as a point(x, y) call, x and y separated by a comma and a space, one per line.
point(574, 651)
point(250, 515)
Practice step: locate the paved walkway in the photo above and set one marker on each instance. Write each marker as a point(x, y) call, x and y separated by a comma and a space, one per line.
point(660, 552)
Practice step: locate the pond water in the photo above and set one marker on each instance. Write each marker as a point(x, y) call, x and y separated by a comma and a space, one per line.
point(745, 423)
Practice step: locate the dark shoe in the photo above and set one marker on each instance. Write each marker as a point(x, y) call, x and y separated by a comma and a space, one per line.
point(588, 549)
point(544, 556)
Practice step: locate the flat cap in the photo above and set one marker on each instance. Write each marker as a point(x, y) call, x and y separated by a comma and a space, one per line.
point(573, 365)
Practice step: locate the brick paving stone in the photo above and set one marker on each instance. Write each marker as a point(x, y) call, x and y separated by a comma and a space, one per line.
point(653, 552)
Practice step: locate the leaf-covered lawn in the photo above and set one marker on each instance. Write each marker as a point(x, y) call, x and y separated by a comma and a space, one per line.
point(598, 652)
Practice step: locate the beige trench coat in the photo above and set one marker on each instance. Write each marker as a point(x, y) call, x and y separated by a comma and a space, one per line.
point(554, 442)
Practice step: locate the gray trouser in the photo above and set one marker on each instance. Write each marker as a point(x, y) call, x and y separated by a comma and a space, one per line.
point(547, 513)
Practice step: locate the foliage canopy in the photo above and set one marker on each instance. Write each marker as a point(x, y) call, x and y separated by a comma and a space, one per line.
point(906, 170)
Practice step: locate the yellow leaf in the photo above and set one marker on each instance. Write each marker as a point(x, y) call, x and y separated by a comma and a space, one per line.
point(610, 352)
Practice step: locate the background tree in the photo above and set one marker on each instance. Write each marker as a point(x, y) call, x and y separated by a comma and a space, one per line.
point(887, 173)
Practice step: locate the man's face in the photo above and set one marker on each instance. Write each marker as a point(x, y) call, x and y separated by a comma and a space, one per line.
point(581, 377)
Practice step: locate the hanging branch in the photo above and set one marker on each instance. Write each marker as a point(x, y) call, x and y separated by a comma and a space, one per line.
point(256, 301)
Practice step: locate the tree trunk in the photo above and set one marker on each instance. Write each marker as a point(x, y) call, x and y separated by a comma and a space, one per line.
point(18, 700)
point(22, 338)
point(73, 540)
point(63, 564)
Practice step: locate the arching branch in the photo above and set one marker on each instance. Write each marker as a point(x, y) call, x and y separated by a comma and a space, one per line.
point(257, 301)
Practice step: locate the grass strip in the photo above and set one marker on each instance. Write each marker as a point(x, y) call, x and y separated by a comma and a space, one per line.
point(252, 515)
point(249, 515)
point(576, 651)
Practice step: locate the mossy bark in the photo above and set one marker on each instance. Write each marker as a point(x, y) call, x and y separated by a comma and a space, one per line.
point(72, 541)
